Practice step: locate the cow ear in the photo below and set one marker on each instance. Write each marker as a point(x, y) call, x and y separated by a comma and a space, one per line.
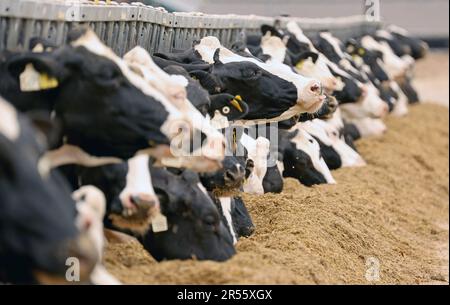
point(265, 28)
point(216, 57)
point(42, 63)
point(292, 134)
point(207, 80)
point(304, 56)
point(264, 57)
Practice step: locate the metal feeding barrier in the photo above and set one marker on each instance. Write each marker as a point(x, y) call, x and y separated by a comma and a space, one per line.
point(124, 26)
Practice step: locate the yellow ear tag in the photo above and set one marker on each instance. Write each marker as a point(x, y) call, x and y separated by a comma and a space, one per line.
point(299, 65)
point(31, 80)
point(236, 104)
point(46, 82)
point(361, 51)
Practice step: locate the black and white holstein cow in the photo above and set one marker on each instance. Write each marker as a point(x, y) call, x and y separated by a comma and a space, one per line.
point(366, 111)
point(273, 92)
point(335, 152)
point(40, 228)
point(110, 113)
point(189, 226)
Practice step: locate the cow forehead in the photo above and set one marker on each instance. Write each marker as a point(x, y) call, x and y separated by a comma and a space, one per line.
point(9, 122)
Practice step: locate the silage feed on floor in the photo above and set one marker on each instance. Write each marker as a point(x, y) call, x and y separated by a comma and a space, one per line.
point(391, 214)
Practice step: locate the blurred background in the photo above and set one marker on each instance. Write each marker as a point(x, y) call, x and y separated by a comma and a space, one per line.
point(427, 19)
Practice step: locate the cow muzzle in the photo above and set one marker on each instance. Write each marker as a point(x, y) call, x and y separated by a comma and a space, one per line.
point(135, 212)
point(313, 96)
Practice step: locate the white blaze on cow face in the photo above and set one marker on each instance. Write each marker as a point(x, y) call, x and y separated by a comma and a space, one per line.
point(139, 184)
point(328, 134)
point(369, 105)
point(258, 151)
point(305, 142)
point(225, 203)
point(9, 121)
point(394, 66)
point(310, 98)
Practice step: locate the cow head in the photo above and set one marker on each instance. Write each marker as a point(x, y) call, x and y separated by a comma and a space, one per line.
point(194, 226)
point(272, 91)
point(372, 58)
point(414, 46)
point(303, 161)
point(334, 150)
point(229, 178)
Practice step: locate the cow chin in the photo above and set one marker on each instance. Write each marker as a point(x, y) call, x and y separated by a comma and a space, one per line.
point(139, 226)
point(315, 106)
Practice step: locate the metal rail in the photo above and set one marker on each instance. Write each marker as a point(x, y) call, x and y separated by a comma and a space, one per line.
point(124, 26)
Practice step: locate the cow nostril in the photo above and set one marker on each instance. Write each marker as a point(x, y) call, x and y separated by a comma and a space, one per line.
point(143, 202)
point(315, 88)
point(230, 176)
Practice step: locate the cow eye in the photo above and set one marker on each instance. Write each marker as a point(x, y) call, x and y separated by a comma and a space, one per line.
point(209, 220)
point(250, 73)
point(311, 141)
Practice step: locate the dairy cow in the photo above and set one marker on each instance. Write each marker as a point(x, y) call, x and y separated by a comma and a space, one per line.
point(302, 159)
point(257, 82)
point(195, 229)
point(37, 224)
